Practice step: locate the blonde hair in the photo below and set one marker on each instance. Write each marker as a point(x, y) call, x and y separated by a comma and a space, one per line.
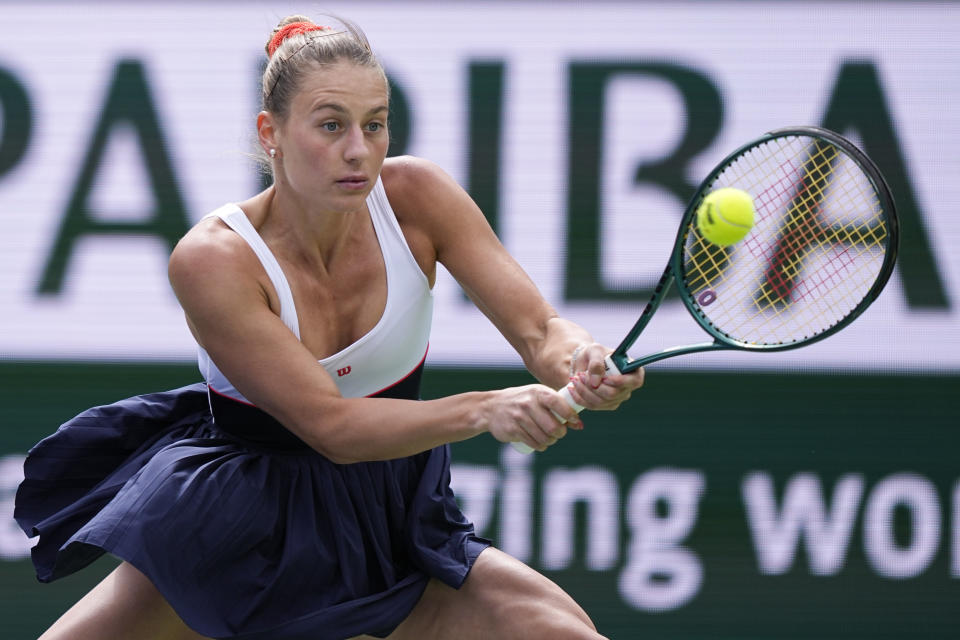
point(299, 50)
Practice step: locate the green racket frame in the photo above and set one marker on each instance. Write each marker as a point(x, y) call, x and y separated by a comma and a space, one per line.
point(674, 271)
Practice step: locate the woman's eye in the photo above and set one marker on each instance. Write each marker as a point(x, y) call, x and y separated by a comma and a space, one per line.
point(375, 126)
point(329, 126)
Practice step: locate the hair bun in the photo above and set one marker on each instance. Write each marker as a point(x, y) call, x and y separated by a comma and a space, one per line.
point(288, 30)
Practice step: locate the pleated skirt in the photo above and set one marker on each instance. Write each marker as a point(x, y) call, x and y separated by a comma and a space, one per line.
point(244, 539)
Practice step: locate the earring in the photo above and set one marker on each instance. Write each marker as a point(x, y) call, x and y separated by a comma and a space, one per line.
point(273, 153)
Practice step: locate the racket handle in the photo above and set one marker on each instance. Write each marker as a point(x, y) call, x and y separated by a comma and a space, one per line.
point(611, 365)
point(565, 393)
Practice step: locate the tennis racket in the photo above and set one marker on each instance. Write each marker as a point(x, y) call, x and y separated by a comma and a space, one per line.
point(821, 250)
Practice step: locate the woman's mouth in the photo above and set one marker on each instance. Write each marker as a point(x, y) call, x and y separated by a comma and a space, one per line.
point(353, 183)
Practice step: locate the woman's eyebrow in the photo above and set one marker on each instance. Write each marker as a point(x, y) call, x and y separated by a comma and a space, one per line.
point(335, 106)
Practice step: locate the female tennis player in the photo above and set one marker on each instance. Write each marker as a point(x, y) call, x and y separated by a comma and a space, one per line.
point(303, 490)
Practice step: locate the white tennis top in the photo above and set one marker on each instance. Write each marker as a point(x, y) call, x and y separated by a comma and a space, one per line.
point(388, 353)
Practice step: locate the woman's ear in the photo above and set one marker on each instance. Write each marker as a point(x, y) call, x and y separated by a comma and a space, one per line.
point(267, 131)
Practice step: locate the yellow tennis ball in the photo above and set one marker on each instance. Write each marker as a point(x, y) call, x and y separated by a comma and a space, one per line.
point(725, 216)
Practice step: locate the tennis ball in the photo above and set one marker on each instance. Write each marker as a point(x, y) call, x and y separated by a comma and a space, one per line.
point(725, 216)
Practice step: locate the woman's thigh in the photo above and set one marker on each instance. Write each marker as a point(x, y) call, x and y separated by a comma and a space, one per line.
point(501, 598)
point(125, 605)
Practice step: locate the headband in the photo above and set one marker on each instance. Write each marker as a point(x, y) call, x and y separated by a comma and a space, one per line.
point(288, 30)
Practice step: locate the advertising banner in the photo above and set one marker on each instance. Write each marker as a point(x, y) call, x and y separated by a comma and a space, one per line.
point(581, 131)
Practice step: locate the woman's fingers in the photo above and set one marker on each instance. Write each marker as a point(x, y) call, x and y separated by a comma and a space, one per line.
point(606, 393)
point(535, 415)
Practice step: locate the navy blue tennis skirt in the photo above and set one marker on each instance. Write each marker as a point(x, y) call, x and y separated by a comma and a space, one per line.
point(246, 531)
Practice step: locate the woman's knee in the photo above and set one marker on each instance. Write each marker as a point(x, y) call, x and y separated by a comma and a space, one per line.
point(527, 601)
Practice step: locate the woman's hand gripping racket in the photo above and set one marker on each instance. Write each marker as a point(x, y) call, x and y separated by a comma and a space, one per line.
point(822, 247)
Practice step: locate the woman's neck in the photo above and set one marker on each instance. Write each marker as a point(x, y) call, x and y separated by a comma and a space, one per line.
point(303, 233)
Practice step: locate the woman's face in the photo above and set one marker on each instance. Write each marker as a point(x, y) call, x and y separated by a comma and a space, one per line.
point(335, 138)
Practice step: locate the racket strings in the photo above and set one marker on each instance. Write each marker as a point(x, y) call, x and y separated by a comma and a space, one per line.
point(784, 284)
point(813, 255)
point(804, 228)
point(803, 225)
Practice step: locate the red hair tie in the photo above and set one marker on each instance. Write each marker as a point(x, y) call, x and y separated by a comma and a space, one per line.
point(288, 30)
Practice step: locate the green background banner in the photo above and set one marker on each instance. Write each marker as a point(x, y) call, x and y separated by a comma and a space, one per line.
point(713, 505)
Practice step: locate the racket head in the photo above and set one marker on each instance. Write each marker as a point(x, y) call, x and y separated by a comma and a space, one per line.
point(823, 246)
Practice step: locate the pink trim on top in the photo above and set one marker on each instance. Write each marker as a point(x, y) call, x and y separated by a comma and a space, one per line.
point(223, 395)
point(389, 386)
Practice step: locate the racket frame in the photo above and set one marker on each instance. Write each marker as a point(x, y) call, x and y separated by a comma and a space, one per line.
point(625, 364)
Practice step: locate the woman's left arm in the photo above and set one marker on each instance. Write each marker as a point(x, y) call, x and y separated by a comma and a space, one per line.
point(443, 224)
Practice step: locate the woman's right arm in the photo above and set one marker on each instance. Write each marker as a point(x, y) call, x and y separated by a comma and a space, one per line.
point(220, 285)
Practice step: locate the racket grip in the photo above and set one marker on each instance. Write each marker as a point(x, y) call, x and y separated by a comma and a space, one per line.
point(565, 393)
point(611, 365)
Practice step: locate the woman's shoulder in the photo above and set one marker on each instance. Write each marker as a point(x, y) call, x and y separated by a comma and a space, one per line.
point(211, 248)
point(417, 186)
point(209, 234)
point(408, 176)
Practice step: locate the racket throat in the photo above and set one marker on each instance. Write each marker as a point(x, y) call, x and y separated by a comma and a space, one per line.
point(626, 364)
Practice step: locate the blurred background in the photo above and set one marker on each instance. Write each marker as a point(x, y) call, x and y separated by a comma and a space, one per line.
point(809, 494)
